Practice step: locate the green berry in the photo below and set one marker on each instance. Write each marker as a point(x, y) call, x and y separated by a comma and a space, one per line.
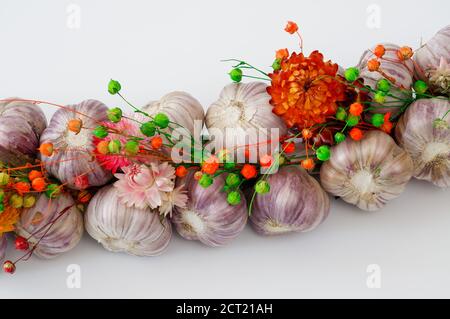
point(132, 147)
point(352, 120)
point(2, 207)
point(377, 120)
point(341, 114)
point(115, 115)
point(233, 180)
point(161, 120)
point(229, 165)
point(100, 131)
point(351, 74)
point(148, 129)
point(339, 137)
point(420, 87)
point(276, 65)
point(323, 153)
point(205, 181)
point(383, 85)
point(114, 87)
point(236, 75)
point(4, 179)
point(16, 201)
point(380, 97)
point(262, 187)
point(2, 195)
point(53, 190)
point(234, 198)
point(114, 146)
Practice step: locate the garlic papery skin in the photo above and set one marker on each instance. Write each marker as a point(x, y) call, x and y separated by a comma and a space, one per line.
point(208, 217)
point(428, 144)
point(74, 151)
point(432, 62)
point(243, 109)
point(401, 71)
point(139, 232)
point(21, 125)
point(367, 173)
point(181, 108)
point(63, 235)
point(295, 203)
point(3, 245)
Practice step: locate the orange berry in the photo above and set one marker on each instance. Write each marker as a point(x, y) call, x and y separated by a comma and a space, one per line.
point(308, 164)
point(266, 160)
point(38, 184)
point(291, 27)
point(75, 125)
point(156, 142)
point(34, 174)
point(288, 147)
point(181, 171)
point(404, 53)
point(379, 50)
point(102, 147)
point(356, 109)
point(356, 134)
point(46, 149)
point(198, 175)
point(249, 171)
point(210, 165)
point(282, 54)
point(373, 65)
point(22, 188)
point(306, 133)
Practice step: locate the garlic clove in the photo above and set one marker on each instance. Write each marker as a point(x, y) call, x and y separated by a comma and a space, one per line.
point(63, 235)
point(119, 228)
point(295, 203)
point(428, 144)
point(208, 217)
point(367, 173)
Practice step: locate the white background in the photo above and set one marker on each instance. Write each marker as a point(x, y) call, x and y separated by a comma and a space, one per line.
point(154, 47)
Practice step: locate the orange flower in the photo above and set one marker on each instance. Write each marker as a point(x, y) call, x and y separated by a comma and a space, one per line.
point(308, 164)
point(387, 125)
point(356, 134)
point(75, 125)
point(282, 54)
point(22, 188)
point(291, 27)
point(305, 90)
point(8, 218)
point(46, 149)
point(404, 53)
point(373, 65)
point(248, 171)
point(34, 174)
point(379, 51)
point(210, 165)
point(38, 184)
point(356, 109)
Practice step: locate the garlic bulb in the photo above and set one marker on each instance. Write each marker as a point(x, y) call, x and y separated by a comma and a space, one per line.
point(21, 125)
point(432, 62)
point(74, 150)
point(119, 228)
point(3, 244)
point(295, 203)
point(367, 173)
point(241, 108)
point(208, 216)
point(63, 235)
point(180, 107)
point(427, 141)
point(400, 71)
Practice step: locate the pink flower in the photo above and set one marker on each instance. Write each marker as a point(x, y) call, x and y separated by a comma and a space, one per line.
point(143, 185)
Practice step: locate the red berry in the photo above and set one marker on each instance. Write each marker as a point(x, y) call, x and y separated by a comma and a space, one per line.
point(21, 243)
point(288, 147)
point(266, 160)
point(181, 171)
point(249, 171)
point(9, 267)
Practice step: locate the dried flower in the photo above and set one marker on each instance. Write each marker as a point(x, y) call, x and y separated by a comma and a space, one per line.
point(291, 27)
point(178, 197)
point(440, 77)
point(8, 218)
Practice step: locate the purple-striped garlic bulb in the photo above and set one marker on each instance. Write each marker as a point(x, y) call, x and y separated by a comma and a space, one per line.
point(73, 161)
point(3, 246)
point(367, 173)
point(295, 203)
point(136, 231)
point(432, 62)
point(21, 125)
point(424, 133)
point(208, 217)
point(55, 225)
point(400, 71)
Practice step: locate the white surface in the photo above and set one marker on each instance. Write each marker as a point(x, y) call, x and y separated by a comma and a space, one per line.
point(155, 47)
